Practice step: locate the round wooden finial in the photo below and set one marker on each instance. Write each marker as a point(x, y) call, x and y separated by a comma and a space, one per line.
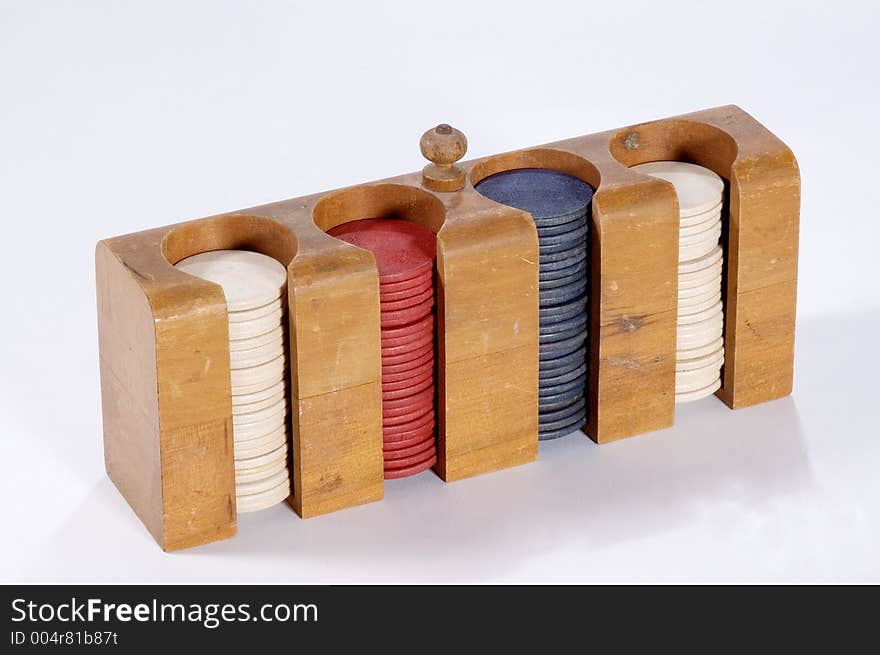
point(443, 146)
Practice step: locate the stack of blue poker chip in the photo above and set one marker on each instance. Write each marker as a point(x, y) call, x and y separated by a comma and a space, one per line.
point(560, 206)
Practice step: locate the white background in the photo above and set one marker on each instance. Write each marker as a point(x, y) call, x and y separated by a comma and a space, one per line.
point(121, 116)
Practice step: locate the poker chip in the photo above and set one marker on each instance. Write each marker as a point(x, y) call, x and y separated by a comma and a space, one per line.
point(410, 365)
point(409, 450)
point(560, 205)
point(389, 393)
point(407, 472)
point(406, 429)
point(403, 250)
point(404, 255)
point(548, 264)
point(699, 338)
point(400, 317)
point(392, 461)
point(249, 279)
point(263, 500)
point(254, 286)
point(417, 343)
point(260, 312)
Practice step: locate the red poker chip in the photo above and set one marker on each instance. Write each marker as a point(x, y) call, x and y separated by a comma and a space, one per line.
point(408, 329)
point(400, 317)
point(403, 250)
point(409, 366)
point(413, 334)
point(420, 371)
point(411, 408)
point(409, 301)
point(407, 284)
point(416, 337)
point(427, 433)
point(414, 346)
point(420, 451)
point(387, 295)
point(412, 460)
point(409, 415)
point(409, 437)
point(406, 429)
point(407, 390)
point(394, 474)
point(409, 355)
point(407, 383)
point(405, 403)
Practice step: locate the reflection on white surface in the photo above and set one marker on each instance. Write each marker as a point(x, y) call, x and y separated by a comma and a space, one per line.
point(780, 491)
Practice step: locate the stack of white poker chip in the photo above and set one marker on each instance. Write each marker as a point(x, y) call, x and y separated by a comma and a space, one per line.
point(255, 290)
point(700, 343)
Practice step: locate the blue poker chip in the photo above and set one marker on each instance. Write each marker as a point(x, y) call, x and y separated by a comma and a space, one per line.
point(550, 420)
point(563, 335)
point(553, 401)
point(578, 268)
point(576, 424)
point(563, 347)
point(568, 254)
point(547, 265)
point(563, 311)
point(581, 220)
point(548, 390)
point(563, 294)
point(544, 193)
point(544, 285)
point(568, 368)
point(559, 362)
point(549, 330)
point(572, 238)
point(563, 375)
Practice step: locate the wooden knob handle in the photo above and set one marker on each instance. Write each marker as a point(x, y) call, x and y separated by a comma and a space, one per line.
point(443, 146)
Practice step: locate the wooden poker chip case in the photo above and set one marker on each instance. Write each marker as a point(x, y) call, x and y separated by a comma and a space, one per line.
point(163, 334)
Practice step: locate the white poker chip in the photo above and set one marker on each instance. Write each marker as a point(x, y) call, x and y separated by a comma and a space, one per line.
point(697, 317)
point(259, 429)
point(251, 440)
point(245, 476)
point(257, 447)
point(264, 500)
point(275, 335)
point(239, 359)
point(698, 394)
point(248, 398)
point(684, 354)
point(254, 376)
point(277, 410)
point(259, 486)
point(697, 305)
point(695, 340)
point(249, 408)
point(715, 358)
point(697, 278)
point(694, 304)
point(700, 263)
point(253, 314)
point(699, 189)
point(257, 327)
point(698, 222)
point(701, 248)
point(249, 279)
point(244, 463)
point(711, 232)
point(700, 291)
point(698, 378)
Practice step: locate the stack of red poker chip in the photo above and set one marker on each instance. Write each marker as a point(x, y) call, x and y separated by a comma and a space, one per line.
point(404, 255)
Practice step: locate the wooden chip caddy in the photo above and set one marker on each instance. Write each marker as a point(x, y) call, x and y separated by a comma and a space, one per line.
point(163, 334)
